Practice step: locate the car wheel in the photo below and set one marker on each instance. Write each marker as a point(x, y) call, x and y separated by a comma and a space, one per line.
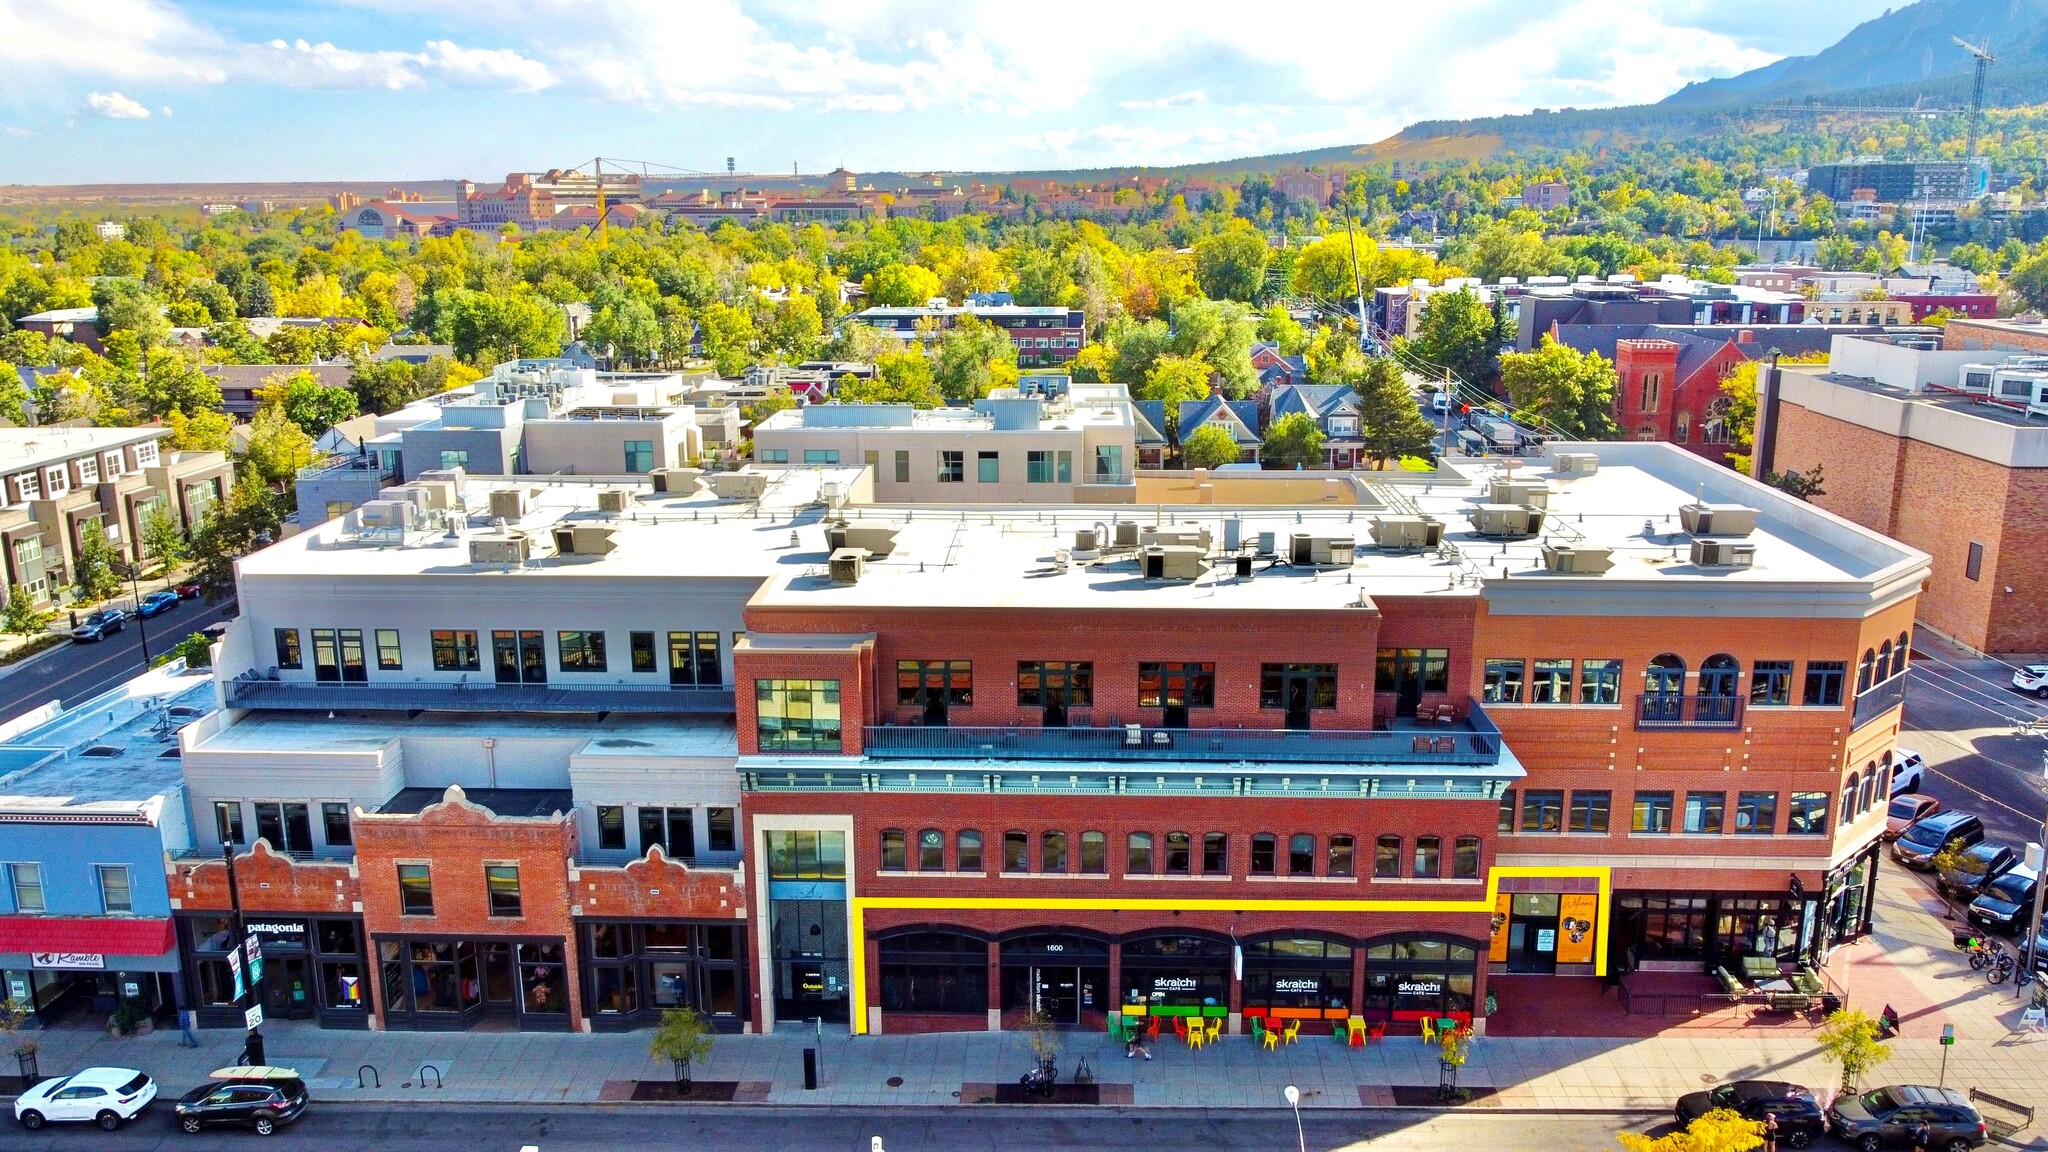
point(190, 1123)
point(1869, 1142)
point(31, 1119)
point(2042, 692)
point(1959, 1145)
point(264, 1123)
point(1798, 1138)
point(108, 1119)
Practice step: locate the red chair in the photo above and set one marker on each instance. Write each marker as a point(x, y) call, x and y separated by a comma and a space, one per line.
point(1376, 1032)
point(1152, 1029)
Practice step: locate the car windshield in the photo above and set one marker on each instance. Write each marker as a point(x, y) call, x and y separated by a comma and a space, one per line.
point(136, 1085)
point(2010, 888)
point(52, 1087)
point(1905, 807)
point(1721, 1095)
point(1925, 833)
point(1879, 1103)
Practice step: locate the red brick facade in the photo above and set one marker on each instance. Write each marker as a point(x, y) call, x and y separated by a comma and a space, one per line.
point(1653, 402)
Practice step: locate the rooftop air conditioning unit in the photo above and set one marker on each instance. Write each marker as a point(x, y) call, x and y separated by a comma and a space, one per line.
point(1577, 560)
point(1723, 554)
point(847, 565)
point(1507, 520)
point(1577, 463)
point(583, 540)
point(1534, 493)
point(1183, 537)
point(1717, 519)
point(874, 540)
point(511, 504)
point(1174, 562)
point(1402, 533)
point(389, 514)
point(678, 481)
point(1126, 533)
point(510, 548)
point(1333, 551)
point(739, 485)
point(614, 500)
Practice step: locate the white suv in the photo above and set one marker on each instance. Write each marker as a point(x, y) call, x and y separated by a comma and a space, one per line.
point(105, 1096)
point(1907, 771)
point(2032, 678)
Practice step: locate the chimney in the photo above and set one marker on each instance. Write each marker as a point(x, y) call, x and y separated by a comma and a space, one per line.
point(1764, 446)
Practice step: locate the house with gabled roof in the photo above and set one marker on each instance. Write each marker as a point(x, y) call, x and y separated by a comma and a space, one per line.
point(1334, 408)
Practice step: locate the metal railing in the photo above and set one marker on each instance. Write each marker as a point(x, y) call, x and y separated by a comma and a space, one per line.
point(1880, 698)
point(1675, 711)
point(1228, 745)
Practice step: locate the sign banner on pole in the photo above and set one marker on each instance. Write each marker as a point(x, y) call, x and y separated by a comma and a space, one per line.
point(235, 966)
point(255, 950)
point(254, 1016)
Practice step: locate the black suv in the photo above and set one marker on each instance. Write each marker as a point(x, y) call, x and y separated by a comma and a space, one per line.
point(1800, 1122)
point(1887, 1117)
point(1975, 866)
point(265, 1101)
point(1924, 839)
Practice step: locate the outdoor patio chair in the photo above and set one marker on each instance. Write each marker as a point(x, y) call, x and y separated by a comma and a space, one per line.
point(1428, 1030)
point(1290, 1034)
point(1730, 986)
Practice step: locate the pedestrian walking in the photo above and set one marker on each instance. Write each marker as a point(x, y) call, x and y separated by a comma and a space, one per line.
point(1923, 1135)
point(1770, 1132)
point(1134, 1045)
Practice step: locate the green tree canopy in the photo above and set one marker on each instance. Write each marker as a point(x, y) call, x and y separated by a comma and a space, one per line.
point(1390, 421)
point(1209, 447)
point(729, 338)
point(900, 286)
point(1459, 332)
point(306, 402)
point(1559, 387)
point(900, 378)
point(1231, 265)
point(1293, 441)
point(247, 519)
point(972, 358)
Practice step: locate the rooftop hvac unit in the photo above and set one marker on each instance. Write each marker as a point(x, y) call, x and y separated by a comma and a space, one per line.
point(511, 504)
point(833, 493)
point(1976, 378)
point(1126, 533)
point(398, 514)
point(1174, 562)
point(1577, 560)
point(1723, 554)
point(2016, 386)
point(432, 492)
point(1534, 493)
point(583, 540)
point(1087, 545)
point(1507, 520)
point(613, 500)
point(739, 485)
point(1267, 542)
point(453, 476)
point(1717, 519)
point(872, 539)
point(678, 481)
point(847, 565)
point(1183, 537)
point(1577, 463)
point(511, 548)
point(1401, 533)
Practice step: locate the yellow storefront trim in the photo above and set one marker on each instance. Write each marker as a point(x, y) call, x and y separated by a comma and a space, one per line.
point(857, 912)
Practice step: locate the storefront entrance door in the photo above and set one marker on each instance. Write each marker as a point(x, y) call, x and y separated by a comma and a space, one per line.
point(1056, 993)
point(286, 992)
point(1532, 933)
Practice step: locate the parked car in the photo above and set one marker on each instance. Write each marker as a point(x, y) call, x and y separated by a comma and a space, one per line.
point(99, 625)
point(189, 590)
point(2004, 903)
point(262, 1097)
point(1886, 1117)
point(1800, 1121)
point(2032, 678)
point(156, 603)
point(1922, 841)
point(1903, 811)
point(1975, 866)
point(1908, 770)
point(105, 1096)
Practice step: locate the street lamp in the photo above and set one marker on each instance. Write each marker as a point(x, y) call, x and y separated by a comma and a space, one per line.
point(252, 1045)
point(141, 625)
point(1293, 1096)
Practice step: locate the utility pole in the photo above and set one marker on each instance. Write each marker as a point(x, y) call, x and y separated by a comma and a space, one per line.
point(2034, 921)
point(252, 1045)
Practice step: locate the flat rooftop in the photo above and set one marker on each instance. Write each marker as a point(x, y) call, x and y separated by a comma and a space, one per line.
point(32, 447)
point(1976, 406)
point(111, 754)
point(502, 801)
point(1005, 555)
point(708, 737)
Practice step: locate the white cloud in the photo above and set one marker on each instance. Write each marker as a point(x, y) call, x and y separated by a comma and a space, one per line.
point(15, 130)
point(1177, 100)
point(115, 106)
point(486, 67)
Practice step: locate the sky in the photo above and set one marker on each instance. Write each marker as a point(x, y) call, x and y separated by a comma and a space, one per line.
point(96, 91)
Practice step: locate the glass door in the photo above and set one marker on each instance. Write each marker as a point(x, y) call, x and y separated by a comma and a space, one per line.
point(1533, 944)
point(505, 656)
point(327, 656)
point(353, 670)
point(533, 658)
point(1056, 992)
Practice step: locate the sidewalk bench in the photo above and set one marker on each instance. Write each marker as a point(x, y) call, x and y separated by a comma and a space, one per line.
point(2009, 1117)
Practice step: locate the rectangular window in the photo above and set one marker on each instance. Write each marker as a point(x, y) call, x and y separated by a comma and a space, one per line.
point(640, 646)
point(1824, 683)
point(1428, 668)
point(1265, 854)
point(1038, 467)
point(721, 830)
point(1770, 684)
point(389, 659)
point(145, 455)
point(454, 458)
point(288, 827)
point(611, 826)
point(1506, 821)
point(28, 550)
point(1215, 854)
point(1052, 852)
point(1807, 814)
point(1543, 811)
point(1342, 850)
point(1016, 852)
point(903, 465)
point(639, 455)
point(1094, 854)
point(415, 890)
point(1179, 853)
point(502, 881)
point(952, 466)
point(821, 455)
point(894, 856)
point(334, 823)
point(1063, 471)
point(1756, 813)
point(796, 715)
point(1386, 858)
point(988, 467)
point(227, 821)
point(1653, 812)
point(1465, 859)
point(1589, 811)
point(1044, 683)
point(27, 882)
point(1503, 682)
point(1703, 812)
point(456, 651)
point(1301, 854)
point(580, 651)
point(1162, 685)
point(1138, 854)
point(922, 683)
point(288, 649)
point(29, 485)
point(1551, 683)
point(773, 455)
point(693, 660)
point(1599, 681)
point(967, 857)
point(1973, 568)
point(116, 897)
point(1429, 857)
point(873, 460)
point(88, 471)
point(1298, 687)
point(673, 830)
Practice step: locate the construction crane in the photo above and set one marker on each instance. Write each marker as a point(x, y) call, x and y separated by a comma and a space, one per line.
point(1984, 60)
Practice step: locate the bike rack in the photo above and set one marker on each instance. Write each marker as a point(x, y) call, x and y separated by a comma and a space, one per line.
point(426, 1068)
point(376, 1081)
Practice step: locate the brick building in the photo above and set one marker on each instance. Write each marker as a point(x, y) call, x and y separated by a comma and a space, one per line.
point(1669, 388)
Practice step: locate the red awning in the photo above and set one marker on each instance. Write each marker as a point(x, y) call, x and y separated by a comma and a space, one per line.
point(104, 936)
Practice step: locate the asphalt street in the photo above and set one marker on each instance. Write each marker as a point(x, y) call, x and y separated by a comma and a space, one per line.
point(350, 1128)
point(1963, 720)
point(75, 672)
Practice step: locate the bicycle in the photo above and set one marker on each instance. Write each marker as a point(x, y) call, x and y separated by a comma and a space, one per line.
point(1982, 950)
point(2001, 967)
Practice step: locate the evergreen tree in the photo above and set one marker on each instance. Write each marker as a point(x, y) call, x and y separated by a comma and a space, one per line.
point(1390, 421)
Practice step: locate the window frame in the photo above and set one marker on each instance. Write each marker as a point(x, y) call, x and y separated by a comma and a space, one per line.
point(503, 903)
point(1600, 681)
point(1770, 683)
point(1826, 684)
point(291, 650)
point(448, 646)
point(1386, 856)
point(1704, 802)
point(1196, 681)
point(587, 645)
point(108, 905)
point(1806, 801)
point(1132, 847)
point(1504, 680)
point(1536, 804)
point(1646, 802)
point(1589, 807)
point(1341, 855)
point(390, 650)
point(1466, 848)
point(1553, 676)
point(894, 852)
point(415, 880)
point(1301, 861)
point(1762, 809)
point(16, 887)
point(798, 704)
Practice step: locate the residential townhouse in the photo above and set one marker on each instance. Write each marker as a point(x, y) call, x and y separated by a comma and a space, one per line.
point(1044, 335)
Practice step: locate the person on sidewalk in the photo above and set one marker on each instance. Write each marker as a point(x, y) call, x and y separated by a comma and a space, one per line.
point(1923, 1135)
point(1770, 1132)
point(1134, 1044)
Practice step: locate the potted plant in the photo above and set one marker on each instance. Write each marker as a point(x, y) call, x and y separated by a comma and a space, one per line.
point(1453, 1047)
point(682, 1038)
point(129, 1018)
point(14, 1015)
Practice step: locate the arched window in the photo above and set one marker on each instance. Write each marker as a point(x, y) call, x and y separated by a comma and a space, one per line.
point(1342, 848)
point(1870, 778)
point(1094, 853)
point(1052, 852)
point(1849, 794)
point(1465, 859)
point(1899, 653)
point(1718, 674)
point(1386, 858)
point(1179, 853)
point(1301, 854)
point(1265, 850)
point(1215, 854)
point(1138, 854)
point(1429, 851)
point(1016, 851)
point(1864, 670)
point(1665, 676)
point(892, 850)
point(1883, 669)
point(967, 854)
point(931, 850)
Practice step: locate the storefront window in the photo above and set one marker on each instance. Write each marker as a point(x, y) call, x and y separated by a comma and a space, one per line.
point(1411, 979)
point(937, 972)
point(543, 985)
point(1298, 978)
point(1177, 975)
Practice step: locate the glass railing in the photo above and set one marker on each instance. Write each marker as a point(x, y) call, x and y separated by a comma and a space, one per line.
point(1879, 699)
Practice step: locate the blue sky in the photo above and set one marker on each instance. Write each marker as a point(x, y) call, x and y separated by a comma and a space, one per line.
point(163, 90)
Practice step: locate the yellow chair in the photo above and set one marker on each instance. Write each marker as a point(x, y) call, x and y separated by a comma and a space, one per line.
point(1197, 1037)
point(1428, 1030)
point(1293, 1031)
point(1215, 1028)
point(1270, 1037)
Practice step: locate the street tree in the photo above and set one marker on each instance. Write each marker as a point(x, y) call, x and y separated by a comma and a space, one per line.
point(1390, 421)
point(22, 616)
point(1849, 1040)
point(1459, 332)
point(163, 537)
point(1721, 1130)
point(973, 358)
point(900, 378)
point(202, 432)
point(682, 1038)
point(1293, 441)
point(93, 574)
point(247, 519)
point(1559, 387)
point(1209, 447)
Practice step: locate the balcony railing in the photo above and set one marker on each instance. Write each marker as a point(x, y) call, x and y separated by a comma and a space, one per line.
point(1660, 711)
point(411, 696)
point(1419, 746)
point(1880, 698)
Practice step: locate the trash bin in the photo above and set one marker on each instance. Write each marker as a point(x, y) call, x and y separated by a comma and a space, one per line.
point(1830, 1003)
point(810, 1069)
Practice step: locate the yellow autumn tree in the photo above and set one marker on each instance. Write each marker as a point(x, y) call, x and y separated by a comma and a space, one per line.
point(1721, 1130)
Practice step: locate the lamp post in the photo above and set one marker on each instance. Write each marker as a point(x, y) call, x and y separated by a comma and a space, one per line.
point(252, 1045)
point(141, 625)
point(1293, 1096)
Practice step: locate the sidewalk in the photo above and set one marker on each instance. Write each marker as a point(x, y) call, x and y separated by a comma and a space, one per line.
point(1909, 956)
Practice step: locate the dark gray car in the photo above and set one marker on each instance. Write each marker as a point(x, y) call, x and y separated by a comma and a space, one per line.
point(1886, 1118)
